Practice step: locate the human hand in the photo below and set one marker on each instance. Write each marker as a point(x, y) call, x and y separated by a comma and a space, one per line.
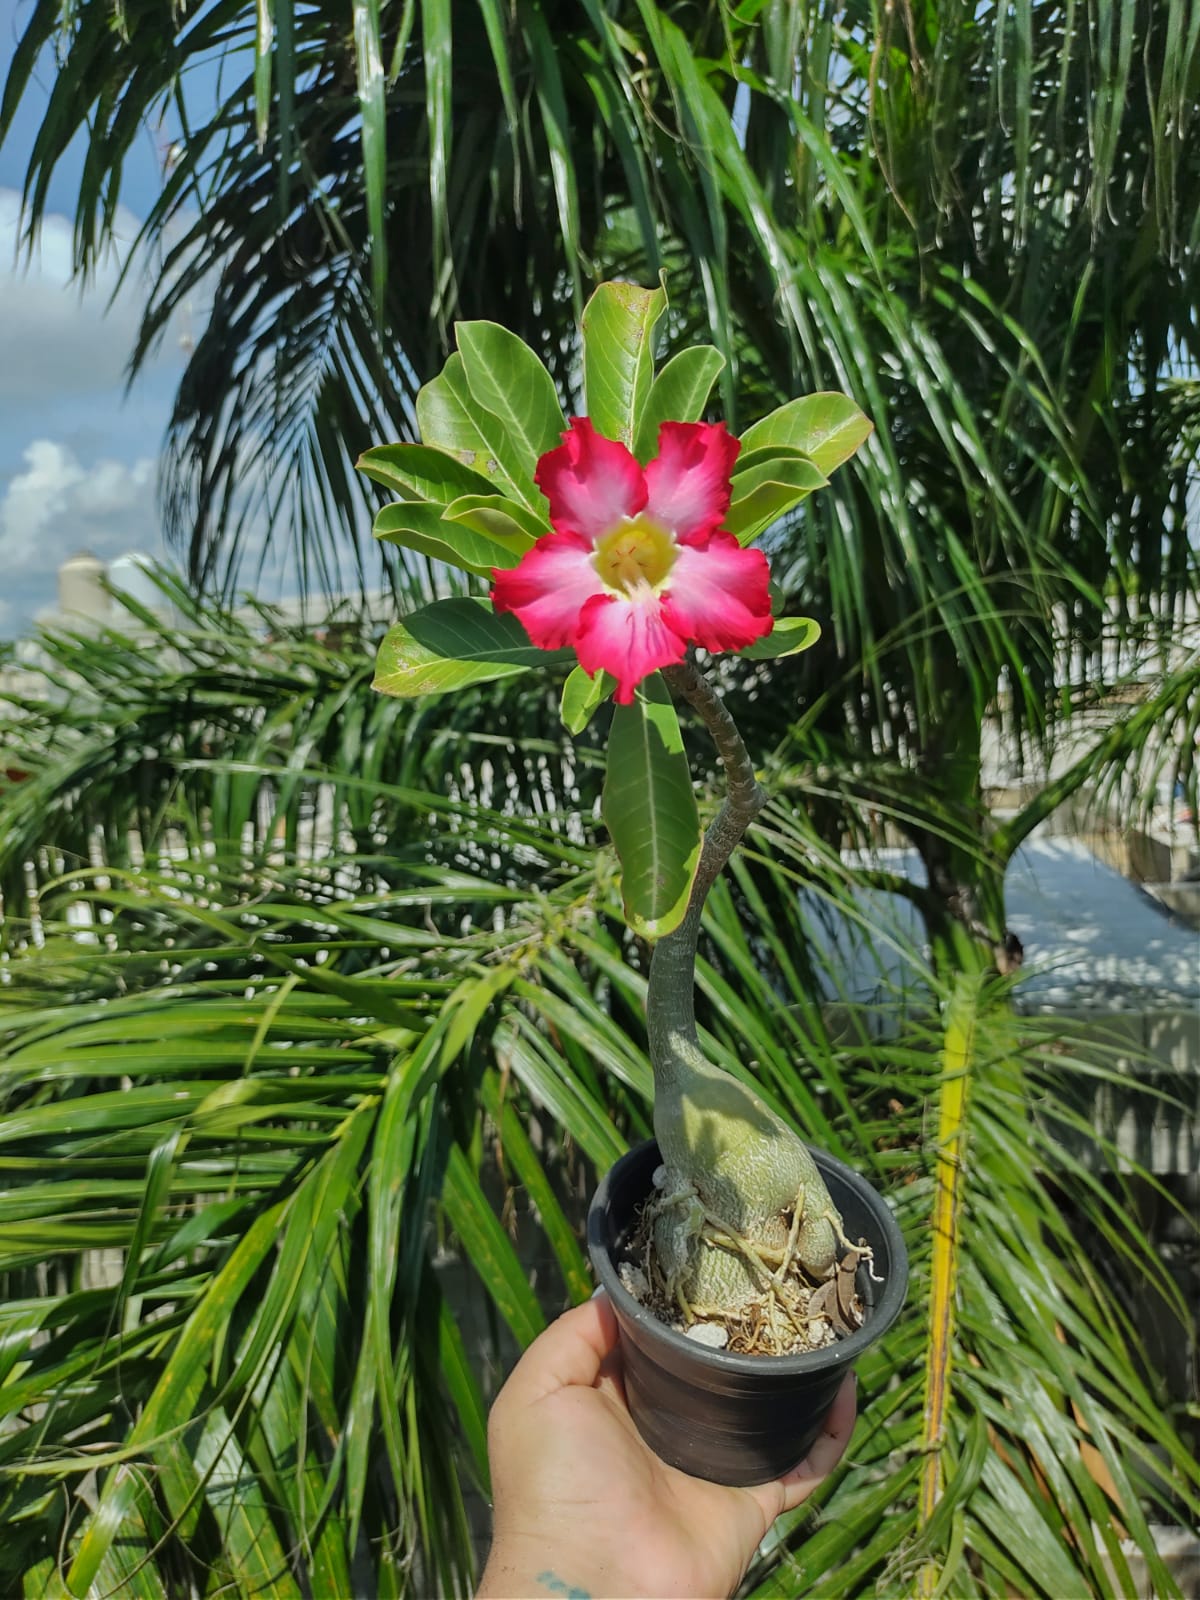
point(583, 1506)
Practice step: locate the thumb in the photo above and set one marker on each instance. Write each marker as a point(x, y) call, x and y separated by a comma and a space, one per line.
point(569, 1353)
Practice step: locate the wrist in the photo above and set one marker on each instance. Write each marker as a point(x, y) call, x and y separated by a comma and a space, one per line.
point(522, 1568)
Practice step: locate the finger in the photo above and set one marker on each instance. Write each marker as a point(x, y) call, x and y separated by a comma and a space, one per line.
point(827, 1450)
point(571, 1351)
point(828, 1447)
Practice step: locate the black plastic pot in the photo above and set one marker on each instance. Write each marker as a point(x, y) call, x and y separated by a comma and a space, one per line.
point(736, 1418)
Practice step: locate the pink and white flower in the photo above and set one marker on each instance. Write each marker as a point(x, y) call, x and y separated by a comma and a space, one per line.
point(638, 566)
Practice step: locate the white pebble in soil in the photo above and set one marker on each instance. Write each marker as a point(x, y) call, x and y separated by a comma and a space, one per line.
point(708, 1333)
point(634, 1280)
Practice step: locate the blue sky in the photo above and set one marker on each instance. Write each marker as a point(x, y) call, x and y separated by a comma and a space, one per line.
point(78, 456)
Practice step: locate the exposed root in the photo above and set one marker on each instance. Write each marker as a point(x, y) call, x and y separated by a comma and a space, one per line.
point(861, 1251)
point(789, 1312)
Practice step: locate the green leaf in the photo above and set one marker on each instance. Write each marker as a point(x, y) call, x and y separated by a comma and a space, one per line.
point(788, 637)
point(235, 1496)
point(763, 494)
point(499, 518)
point(462, 1385)
point(465, 1009)
point(417, 525)
point(177, 1392)
point(508, 380)
point(489, 1248)
point(828, 428)
point(453, 420)
point(618, 356)
point(544, 47)
point(520, 1155)
point(422, 472)
point(550, 1079)
point(368, 63)
point(437, 59)
point(679, 394)
point(650, 810)
point(766, 455)
point(263, 39)
point(451, 643)
point(582, 696)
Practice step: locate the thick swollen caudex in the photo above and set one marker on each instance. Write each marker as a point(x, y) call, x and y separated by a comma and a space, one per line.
point(749, 1172)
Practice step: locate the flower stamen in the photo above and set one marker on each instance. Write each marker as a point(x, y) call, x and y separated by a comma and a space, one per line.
point(635, 556)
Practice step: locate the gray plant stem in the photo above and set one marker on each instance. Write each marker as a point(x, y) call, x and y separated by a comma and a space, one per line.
point(671, 992)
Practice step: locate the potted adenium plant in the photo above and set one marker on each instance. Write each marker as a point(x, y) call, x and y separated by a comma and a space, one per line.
point(747, 1272)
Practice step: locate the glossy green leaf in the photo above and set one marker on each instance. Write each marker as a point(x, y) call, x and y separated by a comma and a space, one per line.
point(767, 492)
point(650, 810)
point(415, 525)
point(500, 519)
point(766, 455)
point(618, 356)
point(679, 394)
point(508, 380)
point(788, 637)
point(569, 1015)
point(582, 696)
point(495, 24)
point(285, 77)
point(828, 428)
point(555, 117)
point(465, 1008)
point(128, 1568)
point(451, 419)
point(452, 643)
point(423, 472)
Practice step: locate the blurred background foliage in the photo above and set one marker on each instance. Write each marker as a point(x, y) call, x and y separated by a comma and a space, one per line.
point(317, 1015)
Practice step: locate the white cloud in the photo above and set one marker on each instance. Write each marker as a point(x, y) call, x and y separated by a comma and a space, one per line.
point(77, 456)
point(58, 338)
point(60, 504)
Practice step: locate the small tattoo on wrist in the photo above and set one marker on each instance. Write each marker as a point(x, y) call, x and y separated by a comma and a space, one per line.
point(555, 1584)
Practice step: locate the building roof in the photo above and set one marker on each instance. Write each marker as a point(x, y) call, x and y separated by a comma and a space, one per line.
point(1093, 939)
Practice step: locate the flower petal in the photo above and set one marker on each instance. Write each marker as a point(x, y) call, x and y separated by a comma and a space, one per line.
point(718, 594)
point(548, 588)
point(591, 482)
point(689, 478)
point(628, 639)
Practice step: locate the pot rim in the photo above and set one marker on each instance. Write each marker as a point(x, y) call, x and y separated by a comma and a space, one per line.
point(842, 1353)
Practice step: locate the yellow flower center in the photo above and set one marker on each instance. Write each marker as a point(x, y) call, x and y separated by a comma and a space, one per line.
point(637, 553)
